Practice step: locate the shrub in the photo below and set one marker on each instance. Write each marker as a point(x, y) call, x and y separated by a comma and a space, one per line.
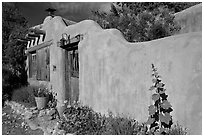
point(24, 95)
point(10, 81)
point(177, 130)
point(82, 120)
point(119, 126)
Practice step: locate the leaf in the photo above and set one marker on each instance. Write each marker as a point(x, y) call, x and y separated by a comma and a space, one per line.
point(161, 90)
point(154, 80)
point(165, 104)
point(164, 96)
point(160, 85)
point(155, 97)
point(150, 121)
point(156, 74)
point(152, 110)
point(166, 118)
point(152, 88)
point(162, 130)
point(162, 118)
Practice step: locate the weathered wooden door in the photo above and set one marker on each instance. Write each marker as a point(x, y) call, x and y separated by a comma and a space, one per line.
point(72, 75)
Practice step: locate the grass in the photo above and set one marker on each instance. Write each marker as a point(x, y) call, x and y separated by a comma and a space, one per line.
point(24, 95)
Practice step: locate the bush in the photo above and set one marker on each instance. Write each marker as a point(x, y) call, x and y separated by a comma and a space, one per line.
point(10, 81)
point(177, 130)
point(24, 95)
point(119, 126)
point(82, 120)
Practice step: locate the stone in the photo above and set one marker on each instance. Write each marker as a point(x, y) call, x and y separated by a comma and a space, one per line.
point(61, 132)
point(55, 132)
point(33, 108)
point(28, 115)
point(47, 133)
point(50, 129)
point(45, 118)
point(35, 111)
point(33, 124)
point(51, 112)
point(42, 113)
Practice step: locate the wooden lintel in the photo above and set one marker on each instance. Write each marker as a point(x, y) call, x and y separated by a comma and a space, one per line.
point(70, 46)
point(72, 43)
point(22, 40)
point(37, 31)
point(30, 38)
point(33, 35)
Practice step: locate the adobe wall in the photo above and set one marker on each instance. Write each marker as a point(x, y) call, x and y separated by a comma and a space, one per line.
point(190, 19)
point(115, 75)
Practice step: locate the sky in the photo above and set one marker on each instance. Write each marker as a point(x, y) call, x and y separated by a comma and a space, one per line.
point(35, 12)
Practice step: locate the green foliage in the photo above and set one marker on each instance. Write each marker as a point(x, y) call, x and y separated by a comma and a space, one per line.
point(116, 125)
point(150, 6)
point(14, 27)
point(159, 119)
point(144, 23)
point(177, 130)
point(10, 81)
point(82, 120)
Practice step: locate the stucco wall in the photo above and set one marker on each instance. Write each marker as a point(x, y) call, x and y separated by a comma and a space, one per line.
point(115, 75)
point(190, 19)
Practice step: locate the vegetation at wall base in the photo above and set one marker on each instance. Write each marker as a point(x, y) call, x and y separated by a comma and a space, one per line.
point(82, 120)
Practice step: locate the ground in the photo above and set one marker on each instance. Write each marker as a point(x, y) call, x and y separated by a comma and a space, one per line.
point(13, 124)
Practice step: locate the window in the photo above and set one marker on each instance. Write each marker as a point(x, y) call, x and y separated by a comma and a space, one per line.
point(39, 64)
point(32, 65)
point(74, 63)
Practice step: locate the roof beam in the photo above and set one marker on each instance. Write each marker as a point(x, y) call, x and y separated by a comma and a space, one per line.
point(37, 31)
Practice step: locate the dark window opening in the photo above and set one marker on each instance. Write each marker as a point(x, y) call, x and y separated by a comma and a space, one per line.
point(74, 63)
point(39, 64)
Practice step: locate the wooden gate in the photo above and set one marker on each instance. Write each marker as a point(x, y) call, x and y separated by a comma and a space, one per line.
point(72, 75)
point(72, 68)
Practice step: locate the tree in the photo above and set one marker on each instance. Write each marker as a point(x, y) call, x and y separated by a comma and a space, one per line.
point(12, 22)
point(141, 21)
point(14, 27)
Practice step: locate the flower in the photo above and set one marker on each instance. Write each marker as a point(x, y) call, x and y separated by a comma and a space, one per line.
point(41, 91)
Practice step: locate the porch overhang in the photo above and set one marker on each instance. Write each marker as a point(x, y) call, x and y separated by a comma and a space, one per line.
point(34, 48)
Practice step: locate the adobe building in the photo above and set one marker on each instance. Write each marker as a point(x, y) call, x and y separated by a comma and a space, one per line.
point(99, 68)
